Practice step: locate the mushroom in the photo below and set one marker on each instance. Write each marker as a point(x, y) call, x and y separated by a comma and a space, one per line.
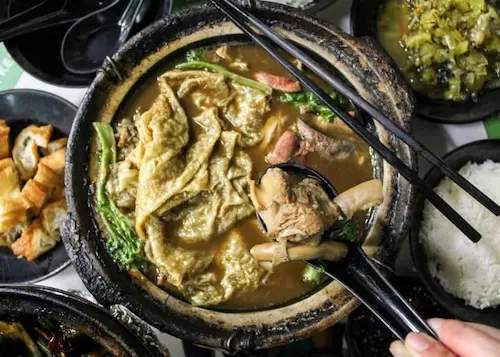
point(360, 197)
point(329, 250)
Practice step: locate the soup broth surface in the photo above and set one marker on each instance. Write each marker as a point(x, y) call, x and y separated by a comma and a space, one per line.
point(286, 282)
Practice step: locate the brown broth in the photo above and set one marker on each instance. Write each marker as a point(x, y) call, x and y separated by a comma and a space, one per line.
point(286, 282)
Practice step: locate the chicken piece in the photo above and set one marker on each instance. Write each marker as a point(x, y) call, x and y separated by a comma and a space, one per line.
point(9, 177)
point(37, 194)
point(34, 242)
point(55, 161)
point(283, 84)
point(25, 151)
point(54, 145)
point(273, 188)
point(292, 212)
point(4, 139)
point(13, 212)
point(52, 217)
point(360, 197)
point(328, 148)
point(288, 148)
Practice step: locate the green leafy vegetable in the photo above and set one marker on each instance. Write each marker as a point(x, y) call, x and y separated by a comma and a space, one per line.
point(312, 104)
point(346, 231)
point(197, 54)
point(123, 242)
point(447, 49)
point(312, 274)
point(231, 75)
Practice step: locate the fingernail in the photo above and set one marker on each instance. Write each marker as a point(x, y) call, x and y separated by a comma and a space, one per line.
point(418, 342)
point(435, 323)
point(399, 350)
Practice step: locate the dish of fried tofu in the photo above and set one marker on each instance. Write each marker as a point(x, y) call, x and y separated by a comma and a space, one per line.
point(32, 198)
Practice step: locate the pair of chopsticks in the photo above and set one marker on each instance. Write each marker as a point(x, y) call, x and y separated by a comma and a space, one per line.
point(243, 19)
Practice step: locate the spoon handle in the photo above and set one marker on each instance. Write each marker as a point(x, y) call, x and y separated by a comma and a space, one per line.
point(361, 277)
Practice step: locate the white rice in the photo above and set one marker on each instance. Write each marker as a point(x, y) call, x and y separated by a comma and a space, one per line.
point(467, 270)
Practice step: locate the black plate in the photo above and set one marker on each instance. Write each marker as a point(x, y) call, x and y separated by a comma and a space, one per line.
point(363, 24)
point(38, 53)
point(478, 152)
point(22, 107)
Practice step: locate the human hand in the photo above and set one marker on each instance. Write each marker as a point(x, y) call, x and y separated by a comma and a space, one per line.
point(457, 339)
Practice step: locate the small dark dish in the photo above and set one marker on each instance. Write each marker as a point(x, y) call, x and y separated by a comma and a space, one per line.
point(21, 108)
point(38, 53)
point(476, 152)
point(363, 24)
point(29, 302)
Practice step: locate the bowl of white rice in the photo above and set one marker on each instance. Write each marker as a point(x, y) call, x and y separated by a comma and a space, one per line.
point(463, 276)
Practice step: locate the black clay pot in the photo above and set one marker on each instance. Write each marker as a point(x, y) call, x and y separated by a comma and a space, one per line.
point(366, 68)
point(30, 302)
point(363, 24)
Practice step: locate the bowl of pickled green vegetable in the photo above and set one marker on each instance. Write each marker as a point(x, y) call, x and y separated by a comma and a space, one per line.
point(447, 50)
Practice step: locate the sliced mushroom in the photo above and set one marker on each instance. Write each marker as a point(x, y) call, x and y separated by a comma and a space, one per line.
point(329, 250)
point(360, 197)
point(25, 151)
point(4, 139)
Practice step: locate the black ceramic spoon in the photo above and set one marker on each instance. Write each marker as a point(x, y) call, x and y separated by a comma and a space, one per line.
point(360, 276)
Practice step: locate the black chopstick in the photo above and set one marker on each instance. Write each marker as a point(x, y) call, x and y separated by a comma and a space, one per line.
point(227, 8)
point(360, 102)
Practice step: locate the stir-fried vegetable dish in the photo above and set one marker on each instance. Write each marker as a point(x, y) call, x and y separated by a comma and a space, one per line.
point(447, 49)
point(44, 337)
point(173, 176)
